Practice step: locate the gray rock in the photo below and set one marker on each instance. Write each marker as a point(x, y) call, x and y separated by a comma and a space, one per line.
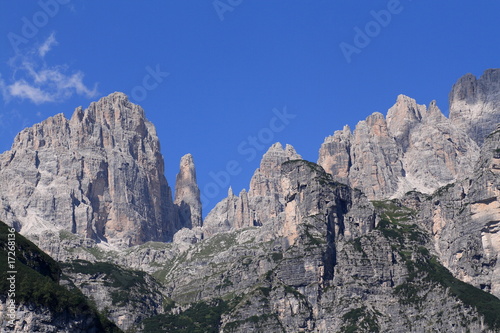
point(98, 175)
point(187, 194)
point(470, 250)
point(416, 148)
point(475, 104)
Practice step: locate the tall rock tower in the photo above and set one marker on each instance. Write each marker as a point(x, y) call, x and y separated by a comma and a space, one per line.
point(99, 174)
point(187, 194)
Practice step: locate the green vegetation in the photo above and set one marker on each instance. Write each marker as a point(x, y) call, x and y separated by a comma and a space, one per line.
point(360, 319)
point(276, 256)
point(115, 275)
point(392, 211)
point(123, 279)
point(37, 282)
point(28, 254)
point(64, 234)
point(322, 177)
point(291, 290)
point(442, 190)
point(425, 270)
point(312, 240)
point(253, 319)
point(394, 222)
point(358, 246)
point(98, 253)
point(485, 303)
point(214, 245)
point(202, 317)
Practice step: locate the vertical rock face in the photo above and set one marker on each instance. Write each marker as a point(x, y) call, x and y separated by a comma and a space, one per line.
point(335, 154)
point(471, 250)
point(376, 163)
point(187, 194)
point(265, 188)
point(403, 117)
point(475, 104)
point(233, 212)
point(98, 174)
point(415, 148)
point(264, 200)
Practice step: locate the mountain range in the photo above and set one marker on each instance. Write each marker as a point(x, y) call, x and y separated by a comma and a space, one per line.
point(396, 228)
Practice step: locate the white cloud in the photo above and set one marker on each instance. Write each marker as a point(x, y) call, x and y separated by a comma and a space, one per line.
point(34, 80)
point(24, 90)
point(47, 45)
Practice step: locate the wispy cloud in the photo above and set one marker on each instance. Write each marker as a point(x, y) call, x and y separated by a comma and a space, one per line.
point(33, 79)
point(47, 45)
point(22, 89)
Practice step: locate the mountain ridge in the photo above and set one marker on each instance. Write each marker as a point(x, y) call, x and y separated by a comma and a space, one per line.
point(371, 238)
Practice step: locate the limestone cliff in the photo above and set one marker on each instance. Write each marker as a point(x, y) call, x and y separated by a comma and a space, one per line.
point(399, 234)
point(98, 175)
point(414, 148)
point(187, 194)
point(330, 261)
point(475, 104)
point(464, 220)
point(264, 200)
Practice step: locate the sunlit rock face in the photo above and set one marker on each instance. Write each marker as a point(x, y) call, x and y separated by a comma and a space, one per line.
point(99, 174)
point(414, 148)
point(187, 194)
point(475, 104)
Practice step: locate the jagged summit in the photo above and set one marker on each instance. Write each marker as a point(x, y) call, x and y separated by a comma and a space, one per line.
point(261, 203)
point(475, 104)
point(300, 251)
point(187, 194)
point(102, 171)
point(414, 148)
point(276, 155)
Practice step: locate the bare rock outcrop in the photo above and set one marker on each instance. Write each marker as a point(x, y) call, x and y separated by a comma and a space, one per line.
point(264, 200)
point(330, 261)
point(475, 104)
point(414, 148)
point(376, 164)
point(335, 154)
point(187, 194)
point(464, 219)
point(99, 174)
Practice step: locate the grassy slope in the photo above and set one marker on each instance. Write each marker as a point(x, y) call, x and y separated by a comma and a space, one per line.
point(37, 282)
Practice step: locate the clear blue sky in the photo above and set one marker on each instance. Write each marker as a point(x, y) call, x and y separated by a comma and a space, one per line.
point(230, 63)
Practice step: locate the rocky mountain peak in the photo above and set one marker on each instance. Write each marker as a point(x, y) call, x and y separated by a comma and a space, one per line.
point(415, 148)
point(99, 175)
point(187, 194)
point(434, 114)
point(475, 104)
point(466, 88)
point(335, 154)
point(264, 180)
point(403, 116)
point(276, 155)
point(261, 203)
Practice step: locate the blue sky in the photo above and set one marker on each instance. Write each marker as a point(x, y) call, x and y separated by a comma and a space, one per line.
point(225, 79)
